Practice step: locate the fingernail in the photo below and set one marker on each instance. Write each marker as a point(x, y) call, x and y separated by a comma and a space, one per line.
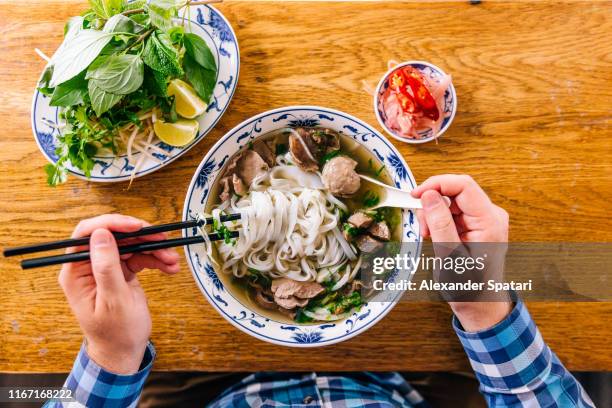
point(431, 199)
point(100, 237)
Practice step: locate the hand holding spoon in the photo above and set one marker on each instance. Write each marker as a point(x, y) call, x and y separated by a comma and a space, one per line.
point(394, 197)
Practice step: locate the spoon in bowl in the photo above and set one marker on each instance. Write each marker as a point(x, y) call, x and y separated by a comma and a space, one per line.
point(394, 197)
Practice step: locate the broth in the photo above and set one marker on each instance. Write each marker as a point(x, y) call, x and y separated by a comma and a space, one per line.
point(368, 164)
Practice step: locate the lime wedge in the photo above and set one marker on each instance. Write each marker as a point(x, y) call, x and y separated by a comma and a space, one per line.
point(178, 133)
point(188, 104)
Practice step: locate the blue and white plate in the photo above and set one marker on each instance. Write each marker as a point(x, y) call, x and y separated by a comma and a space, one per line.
point(198, 198)
point(431, 72)
point(213, 27)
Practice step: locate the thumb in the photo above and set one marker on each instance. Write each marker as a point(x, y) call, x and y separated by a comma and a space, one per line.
point(105, 262)
point(439, 218)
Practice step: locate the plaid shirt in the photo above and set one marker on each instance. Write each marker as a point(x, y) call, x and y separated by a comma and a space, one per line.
point(513, 364)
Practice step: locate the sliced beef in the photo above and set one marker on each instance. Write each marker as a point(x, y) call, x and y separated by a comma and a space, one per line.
point(340, 178)
point(309, 145)
point(226, 191)
point(240, 172)
point(360, 220)
point(328, 138)
point(250, 166)
point(238, 185)
point(367, 244)
point(301, 154)
point(290, 302)
point(380, 230)
point(285, 288)
point(267, 154)
point(264, 301)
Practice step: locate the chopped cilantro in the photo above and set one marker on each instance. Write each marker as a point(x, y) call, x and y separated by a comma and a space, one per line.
point(370, 199)
point(328, 156)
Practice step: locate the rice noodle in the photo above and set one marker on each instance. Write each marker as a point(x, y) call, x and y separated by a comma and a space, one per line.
point(287, 229)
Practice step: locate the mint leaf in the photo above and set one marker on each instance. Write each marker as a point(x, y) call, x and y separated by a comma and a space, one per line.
point(101, 101)
point(161, 12)
point(197, 49)
point(119, 74)
point(155, 82)
point(160, 54)
point(202, 79)
point(71, 92)
point(77, 53)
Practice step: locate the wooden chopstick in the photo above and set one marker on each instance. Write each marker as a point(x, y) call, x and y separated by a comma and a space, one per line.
point(128, 249)
point(153, 229)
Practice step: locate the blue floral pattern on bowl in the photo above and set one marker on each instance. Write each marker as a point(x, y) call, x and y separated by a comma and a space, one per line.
point(429, 71)
point(199, 197)
point(209, 24)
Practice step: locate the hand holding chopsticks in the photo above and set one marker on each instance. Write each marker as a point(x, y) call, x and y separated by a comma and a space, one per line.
point(127, 249)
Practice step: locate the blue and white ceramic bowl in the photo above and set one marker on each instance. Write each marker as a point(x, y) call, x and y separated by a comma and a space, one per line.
point(208, 23)
point(199, 197)
point(432, 72)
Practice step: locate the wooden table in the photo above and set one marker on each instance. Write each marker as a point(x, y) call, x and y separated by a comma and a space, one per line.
point(533, 127)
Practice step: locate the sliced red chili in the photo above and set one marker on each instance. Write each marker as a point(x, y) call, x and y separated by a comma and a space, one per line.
point(422, 96)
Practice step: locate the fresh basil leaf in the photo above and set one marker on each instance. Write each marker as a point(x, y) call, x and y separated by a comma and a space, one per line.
point(101, 101)
point(161, 13)
point(119, 74)
point(155, 82)
point(73, 27)
point(107, 8)
point(202, 79)
point(123, 24)
point(73, 23)
point(197, 49)
point(160, 54)
point(77, 54)
point(71, 92)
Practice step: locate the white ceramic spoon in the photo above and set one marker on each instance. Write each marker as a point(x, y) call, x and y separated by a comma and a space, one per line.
point(394, 197)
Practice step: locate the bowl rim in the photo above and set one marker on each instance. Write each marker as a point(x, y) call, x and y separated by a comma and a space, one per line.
point(223, 313)
point(382, 122)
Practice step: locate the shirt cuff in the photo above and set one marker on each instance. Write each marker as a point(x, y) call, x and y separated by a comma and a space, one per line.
point(93, 386)
point(510, 355)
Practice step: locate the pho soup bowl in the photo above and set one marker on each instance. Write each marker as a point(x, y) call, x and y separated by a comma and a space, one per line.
point(217, 286)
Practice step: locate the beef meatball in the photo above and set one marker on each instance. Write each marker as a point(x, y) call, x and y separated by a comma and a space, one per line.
point(340, 178)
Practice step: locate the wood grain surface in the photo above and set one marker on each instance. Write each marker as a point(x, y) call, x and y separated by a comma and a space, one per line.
point(532, 126)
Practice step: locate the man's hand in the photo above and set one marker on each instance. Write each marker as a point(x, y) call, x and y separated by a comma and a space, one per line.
point(105, 295)
point(472, 217)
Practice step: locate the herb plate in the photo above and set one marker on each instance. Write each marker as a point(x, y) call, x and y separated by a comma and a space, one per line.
point(199, 197)
point(204, 21)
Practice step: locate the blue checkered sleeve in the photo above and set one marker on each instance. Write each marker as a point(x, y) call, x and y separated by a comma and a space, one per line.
point(516, 368)
point(93, 387)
